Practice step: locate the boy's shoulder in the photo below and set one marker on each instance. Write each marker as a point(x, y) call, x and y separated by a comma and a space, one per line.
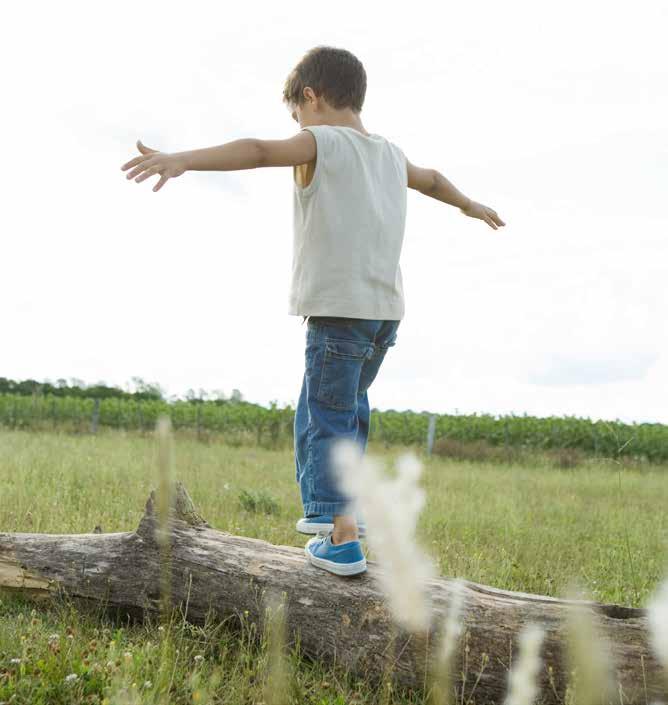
point(332, 134)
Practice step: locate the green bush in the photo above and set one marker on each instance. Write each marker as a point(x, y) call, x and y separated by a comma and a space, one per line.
point(258, 502)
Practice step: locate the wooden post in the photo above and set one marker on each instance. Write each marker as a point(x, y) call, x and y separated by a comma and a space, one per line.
point(430, 433)
point(96, 416)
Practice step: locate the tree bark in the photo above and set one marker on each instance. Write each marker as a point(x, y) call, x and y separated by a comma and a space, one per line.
point(338, 620)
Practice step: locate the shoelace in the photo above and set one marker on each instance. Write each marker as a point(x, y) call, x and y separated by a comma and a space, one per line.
point(324, 533)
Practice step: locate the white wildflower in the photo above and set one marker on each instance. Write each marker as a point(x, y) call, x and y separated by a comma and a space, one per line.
point(71, 678)
point(452, 630)
point(523, 678)
point(390, 508)
point(15, 660)
point(590, 658)
point(148, 684)
point(199, 658)
point(657, 613)
point(453, 624)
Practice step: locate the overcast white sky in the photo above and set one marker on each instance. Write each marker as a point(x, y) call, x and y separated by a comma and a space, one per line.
point(555, 115)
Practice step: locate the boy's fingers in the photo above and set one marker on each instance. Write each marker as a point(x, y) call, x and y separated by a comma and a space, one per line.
point(135, 172)
point(139, 174)
point(159, 185)
point(497, 218)
point(134, 162)
point(141, 167)
point(494, 216)
point(137, 160)
point(127, 165)
point(148, 172)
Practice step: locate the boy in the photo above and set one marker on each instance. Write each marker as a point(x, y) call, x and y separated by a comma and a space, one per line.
point(349, 216)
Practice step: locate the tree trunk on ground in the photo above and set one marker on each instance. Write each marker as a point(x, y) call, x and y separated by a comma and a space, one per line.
point(342, 620)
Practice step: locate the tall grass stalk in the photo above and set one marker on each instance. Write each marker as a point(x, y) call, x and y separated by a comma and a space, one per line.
point(164, 500)
point(657, 612)
point(277, 680)
point(441, 691)
point(391, 507)
point(589, 658)
point(523, 684)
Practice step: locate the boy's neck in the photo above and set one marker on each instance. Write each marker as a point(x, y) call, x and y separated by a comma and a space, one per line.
point(341, 118)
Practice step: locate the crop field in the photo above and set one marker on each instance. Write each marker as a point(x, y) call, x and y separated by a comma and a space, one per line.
point(272, 427)
point(526, 526)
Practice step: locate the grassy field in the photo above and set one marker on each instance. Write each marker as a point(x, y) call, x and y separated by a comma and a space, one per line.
point(528, 527)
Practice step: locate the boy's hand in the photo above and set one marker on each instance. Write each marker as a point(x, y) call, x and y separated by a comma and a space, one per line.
point(152, 162)
point(477, 210)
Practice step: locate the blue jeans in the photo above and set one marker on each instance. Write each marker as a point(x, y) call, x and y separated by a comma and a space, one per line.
point(343, 356)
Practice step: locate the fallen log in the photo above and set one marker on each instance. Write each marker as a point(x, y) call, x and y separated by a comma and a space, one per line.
point(341, 620)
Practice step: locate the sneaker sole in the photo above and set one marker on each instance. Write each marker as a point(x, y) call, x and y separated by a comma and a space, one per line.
point(336, 568)
point(311, 528)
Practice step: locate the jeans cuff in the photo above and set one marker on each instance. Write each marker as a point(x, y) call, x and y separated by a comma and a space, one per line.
point(320, 508)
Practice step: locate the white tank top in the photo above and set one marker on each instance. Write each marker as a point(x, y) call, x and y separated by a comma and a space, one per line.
point(349, 227)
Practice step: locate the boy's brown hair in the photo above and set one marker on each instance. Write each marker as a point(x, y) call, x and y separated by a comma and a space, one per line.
point(334, 74)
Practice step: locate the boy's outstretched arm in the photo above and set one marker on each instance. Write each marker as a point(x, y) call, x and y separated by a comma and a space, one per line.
point(246, 153)
point(432, 183)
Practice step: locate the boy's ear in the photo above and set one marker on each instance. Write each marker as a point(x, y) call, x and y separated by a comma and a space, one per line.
point(296, 150)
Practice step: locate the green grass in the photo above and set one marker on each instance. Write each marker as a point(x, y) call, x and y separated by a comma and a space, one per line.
point(527, 527)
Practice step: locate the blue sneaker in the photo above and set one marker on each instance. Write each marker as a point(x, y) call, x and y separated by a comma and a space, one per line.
point(341, 559)
point(323, 523)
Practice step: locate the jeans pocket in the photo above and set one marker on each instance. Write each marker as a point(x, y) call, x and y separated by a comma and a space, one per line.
point(340, 376)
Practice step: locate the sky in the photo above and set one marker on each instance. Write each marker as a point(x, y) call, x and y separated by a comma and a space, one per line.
point(555, 115)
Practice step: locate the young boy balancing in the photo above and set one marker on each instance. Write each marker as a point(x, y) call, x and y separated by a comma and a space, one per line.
point(349, 215)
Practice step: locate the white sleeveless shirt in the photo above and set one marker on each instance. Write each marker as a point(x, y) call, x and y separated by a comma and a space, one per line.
point(349, 227)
